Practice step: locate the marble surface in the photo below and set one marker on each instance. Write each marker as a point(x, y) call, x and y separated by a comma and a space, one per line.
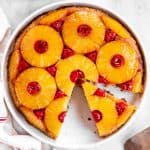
point(135, 12)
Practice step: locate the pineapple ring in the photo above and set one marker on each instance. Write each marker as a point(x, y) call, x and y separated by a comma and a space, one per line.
point(52, 112)
point(44, 96)
point(66, 66)
point(54, 46)
point(117, 75)
point(95, 35)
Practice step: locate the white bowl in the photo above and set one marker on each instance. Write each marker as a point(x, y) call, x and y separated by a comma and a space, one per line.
point(82, 138)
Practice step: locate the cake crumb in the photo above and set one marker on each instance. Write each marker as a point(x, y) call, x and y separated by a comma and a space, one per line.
point(89, 119)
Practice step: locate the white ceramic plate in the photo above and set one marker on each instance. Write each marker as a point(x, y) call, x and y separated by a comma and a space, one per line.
point(77, 131)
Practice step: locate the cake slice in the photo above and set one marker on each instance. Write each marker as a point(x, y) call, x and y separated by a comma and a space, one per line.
point(108, 112)
point(55, 114)
point(102, 108)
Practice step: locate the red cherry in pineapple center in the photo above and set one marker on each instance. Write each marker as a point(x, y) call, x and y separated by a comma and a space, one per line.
point(97, 115)
point(41, 46)
point(117, 61)
point(33, 88)
point(84, 30)
point(77, 76)
point(61, 116)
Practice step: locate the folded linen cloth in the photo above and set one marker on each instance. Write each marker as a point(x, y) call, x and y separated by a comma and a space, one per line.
point(4, 25)
point(8, 134)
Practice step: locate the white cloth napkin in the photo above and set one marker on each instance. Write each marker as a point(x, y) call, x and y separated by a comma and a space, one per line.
point(4, 25)
point(8, 135)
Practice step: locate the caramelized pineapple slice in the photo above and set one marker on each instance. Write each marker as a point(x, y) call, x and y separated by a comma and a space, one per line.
point(13, 64)
point(35, 88)
point(55, 114)
point(16, 65)
point(53, 16)
point(117, 62)
point(137, 83)
point(115, 26)
point(73, 67)
point(30, 116)
point(41, 46)
point(13, 71)
point(83, 31)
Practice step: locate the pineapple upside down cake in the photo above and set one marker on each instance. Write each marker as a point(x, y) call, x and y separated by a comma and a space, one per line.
point(74, 46)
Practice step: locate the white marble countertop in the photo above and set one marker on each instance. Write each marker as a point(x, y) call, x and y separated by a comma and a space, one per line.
point(136, 13)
